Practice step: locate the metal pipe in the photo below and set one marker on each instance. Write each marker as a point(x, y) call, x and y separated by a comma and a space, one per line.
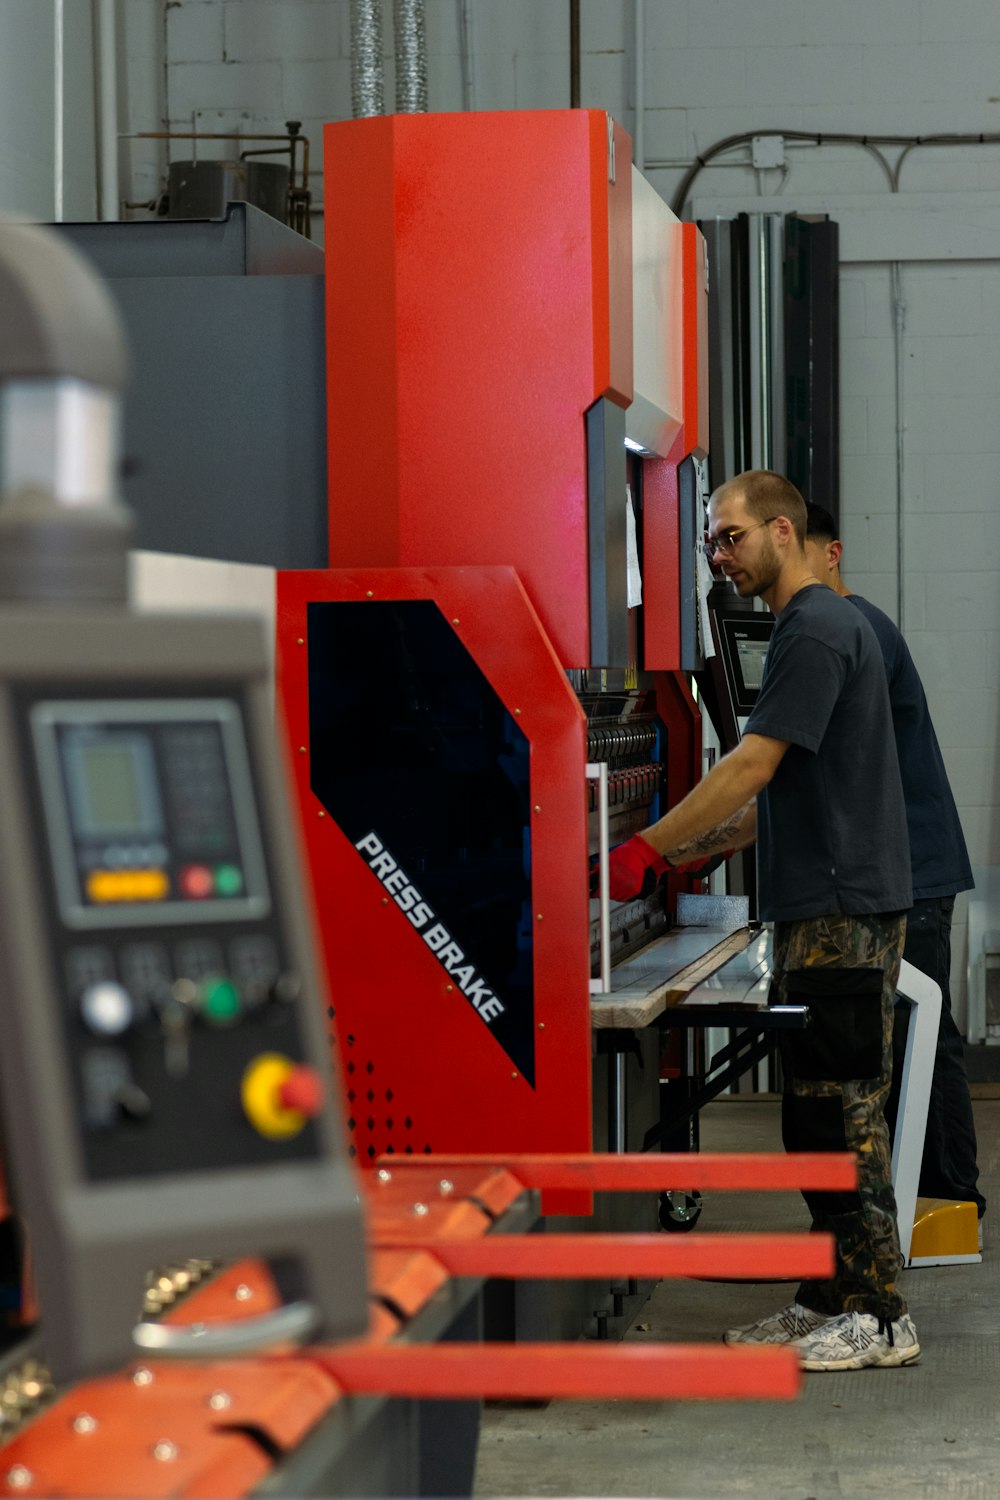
point(898, 330)
point(409, 23)
point(367, 72)
point(106, 108)
point(639, 135)
point(468, 55)
point(59, 89)
point(574, 54)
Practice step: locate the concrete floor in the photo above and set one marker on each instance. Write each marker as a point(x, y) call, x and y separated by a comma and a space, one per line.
point(931, 1430)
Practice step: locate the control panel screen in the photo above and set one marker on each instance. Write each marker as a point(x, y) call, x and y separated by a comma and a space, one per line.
point(752, 655)
point(150, 810)
point(744, 638)
point(111, 781)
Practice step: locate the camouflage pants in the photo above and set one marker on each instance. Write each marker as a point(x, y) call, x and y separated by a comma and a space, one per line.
point(837, 1075)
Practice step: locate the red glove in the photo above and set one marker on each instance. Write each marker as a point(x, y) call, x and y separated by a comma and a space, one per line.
point(635, 869)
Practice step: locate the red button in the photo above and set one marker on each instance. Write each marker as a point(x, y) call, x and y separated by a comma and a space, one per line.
point(196, 881)
point(302, 1090)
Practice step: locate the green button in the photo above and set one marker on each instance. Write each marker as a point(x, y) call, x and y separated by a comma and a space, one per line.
point(220, 1002)
point(228, 880)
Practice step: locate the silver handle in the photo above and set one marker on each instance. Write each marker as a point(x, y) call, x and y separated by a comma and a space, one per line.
point(598, 771)
point(291, 1324)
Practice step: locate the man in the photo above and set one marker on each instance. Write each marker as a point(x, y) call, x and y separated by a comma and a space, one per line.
point(815, 779)
point(940, 869)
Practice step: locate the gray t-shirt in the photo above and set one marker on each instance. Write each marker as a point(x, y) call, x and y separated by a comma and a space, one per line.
point(831, 824)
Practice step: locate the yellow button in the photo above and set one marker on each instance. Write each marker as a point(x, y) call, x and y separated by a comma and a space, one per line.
point(105, 886)
point(259, 1094)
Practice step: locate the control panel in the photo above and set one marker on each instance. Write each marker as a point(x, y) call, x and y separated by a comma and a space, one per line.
point(178, 989)
point(165, 1081)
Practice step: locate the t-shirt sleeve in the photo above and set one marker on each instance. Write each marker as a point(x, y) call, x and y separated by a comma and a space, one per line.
point(802, 683)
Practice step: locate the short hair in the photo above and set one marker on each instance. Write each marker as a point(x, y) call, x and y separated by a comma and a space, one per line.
point(766, 495)
point(820, 523)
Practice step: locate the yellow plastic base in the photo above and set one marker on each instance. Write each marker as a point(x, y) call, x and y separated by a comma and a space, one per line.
point(942, 1226)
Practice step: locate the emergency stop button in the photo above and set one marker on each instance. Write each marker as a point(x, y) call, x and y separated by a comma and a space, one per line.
point(280, 1096)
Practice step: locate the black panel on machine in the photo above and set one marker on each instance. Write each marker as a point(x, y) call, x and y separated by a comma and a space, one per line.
point(165, 942)
point(409, 742)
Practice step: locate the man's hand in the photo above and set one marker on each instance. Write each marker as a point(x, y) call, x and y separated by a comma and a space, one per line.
point(635, 869)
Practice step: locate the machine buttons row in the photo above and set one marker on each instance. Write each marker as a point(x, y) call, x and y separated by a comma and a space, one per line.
point(195, 882)
point(279, 1096)
point(146, 969)
point(199, 882)
point(124, 856)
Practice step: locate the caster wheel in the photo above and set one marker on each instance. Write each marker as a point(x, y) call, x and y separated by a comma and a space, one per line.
point(679, 1212)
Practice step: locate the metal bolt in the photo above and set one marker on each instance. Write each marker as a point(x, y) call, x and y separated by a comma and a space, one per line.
point(385, 900)
point(84, 1423)
point(383, 1174)
point(142, 1376)
point(517, 711)
point(421, 1210)
point(537, 807)
point(445, 1187)
point(300, 642)
point(19, 1477)
point(370, 594)
point(302, 749)
point(165, 1452)
point(321, 814)
point(513, 1075)
point(454, 622)
point(243, 1293)
point(541, 1025)
point(448, 989)
point(220, 1401)
point(539, 917)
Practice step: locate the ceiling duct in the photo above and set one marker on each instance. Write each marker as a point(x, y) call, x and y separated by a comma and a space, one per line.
point(410, 31)
point(367, 72)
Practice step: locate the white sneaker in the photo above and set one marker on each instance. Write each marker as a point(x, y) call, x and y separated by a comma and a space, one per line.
point(855, 1341)
point(780, 1328)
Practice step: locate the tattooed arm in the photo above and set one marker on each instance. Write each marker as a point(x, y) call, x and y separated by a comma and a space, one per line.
point(734, 833)
point(720, 812)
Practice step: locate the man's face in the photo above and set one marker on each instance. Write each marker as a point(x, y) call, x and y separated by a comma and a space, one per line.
point(751, 561)
point(822, 564)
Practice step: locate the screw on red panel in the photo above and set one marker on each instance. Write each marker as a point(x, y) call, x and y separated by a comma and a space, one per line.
point(302, 1090)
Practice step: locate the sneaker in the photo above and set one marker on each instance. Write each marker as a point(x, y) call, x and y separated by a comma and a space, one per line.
point(780, 1328)
point(855, 1341)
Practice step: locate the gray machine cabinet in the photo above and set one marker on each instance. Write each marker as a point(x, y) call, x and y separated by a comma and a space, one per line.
point(225, 418)
point(103, 1198)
